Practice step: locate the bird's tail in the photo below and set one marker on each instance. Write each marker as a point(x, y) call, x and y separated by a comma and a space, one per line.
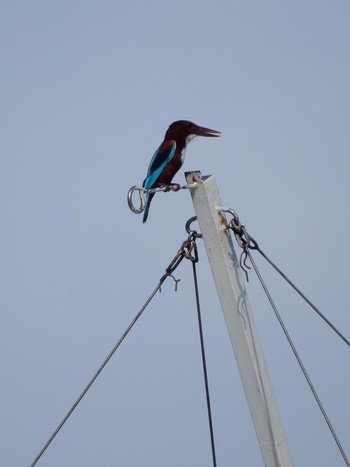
point(149, 197)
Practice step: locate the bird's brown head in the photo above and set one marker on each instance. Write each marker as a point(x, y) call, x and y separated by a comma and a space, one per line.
point(188, 130)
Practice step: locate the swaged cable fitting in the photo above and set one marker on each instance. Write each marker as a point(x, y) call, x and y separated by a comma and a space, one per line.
point(187, 250)
point(244, 240)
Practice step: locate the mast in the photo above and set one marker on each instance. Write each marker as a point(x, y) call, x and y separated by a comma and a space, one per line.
point(239, 320)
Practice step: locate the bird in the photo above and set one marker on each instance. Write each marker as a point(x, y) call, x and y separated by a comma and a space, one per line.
point(169, 157)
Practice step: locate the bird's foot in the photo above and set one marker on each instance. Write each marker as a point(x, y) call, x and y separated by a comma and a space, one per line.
point(176, 186)
point(170, 186)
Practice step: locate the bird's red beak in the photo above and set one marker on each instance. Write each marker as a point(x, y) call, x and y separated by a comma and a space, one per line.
point(202, 131)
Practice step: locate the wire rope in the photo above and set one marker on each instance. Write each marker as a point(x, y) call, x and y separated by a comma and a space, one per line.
point(204, 363)
point(184, 252)
point(330, 324)
point(297, 356)
point(93, 379)
point(247, 242)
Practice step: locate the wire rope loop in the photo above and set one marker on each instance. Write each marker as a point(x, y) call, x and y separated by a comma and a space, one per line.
point(141, 192)
point(192, 233)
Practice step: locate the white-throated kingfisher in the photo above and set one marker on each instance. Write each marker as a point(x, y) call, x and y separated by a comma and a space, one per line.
point(170, 155)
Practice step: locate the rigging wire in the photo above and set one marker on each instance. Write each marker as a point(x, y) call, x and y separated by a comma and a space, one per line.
point(93, 379)
point(297, 356)
point(185, 251)
point(247, 242)
point(194, 259)
point(330, 324)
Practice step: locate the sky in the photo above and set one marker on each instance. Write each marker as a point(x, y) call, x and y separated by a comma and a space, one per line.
point(87, 91)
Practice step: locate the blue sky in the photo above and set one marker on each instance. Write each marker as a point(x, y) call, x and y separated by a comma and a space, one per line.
point(87, 92)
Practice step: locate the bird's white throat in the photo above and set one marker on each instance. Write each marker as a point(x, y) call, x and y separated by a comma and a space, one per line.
point(189, 138)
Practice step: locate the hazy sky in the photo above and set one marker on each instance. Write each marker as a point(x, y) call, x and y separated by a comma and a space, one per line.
point(87, 91)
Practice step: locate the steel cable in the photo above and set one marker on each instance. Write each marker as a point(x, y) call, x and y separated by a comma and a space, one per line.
point(298, 358)
point(185, 251)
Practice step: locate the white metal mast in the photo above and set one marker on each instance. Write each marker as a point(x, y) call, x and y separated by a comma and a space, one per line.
point(239, 321)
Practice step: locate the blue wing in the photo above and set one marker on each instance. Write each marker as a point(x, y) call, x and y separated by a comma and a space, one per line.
point(159, 161)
